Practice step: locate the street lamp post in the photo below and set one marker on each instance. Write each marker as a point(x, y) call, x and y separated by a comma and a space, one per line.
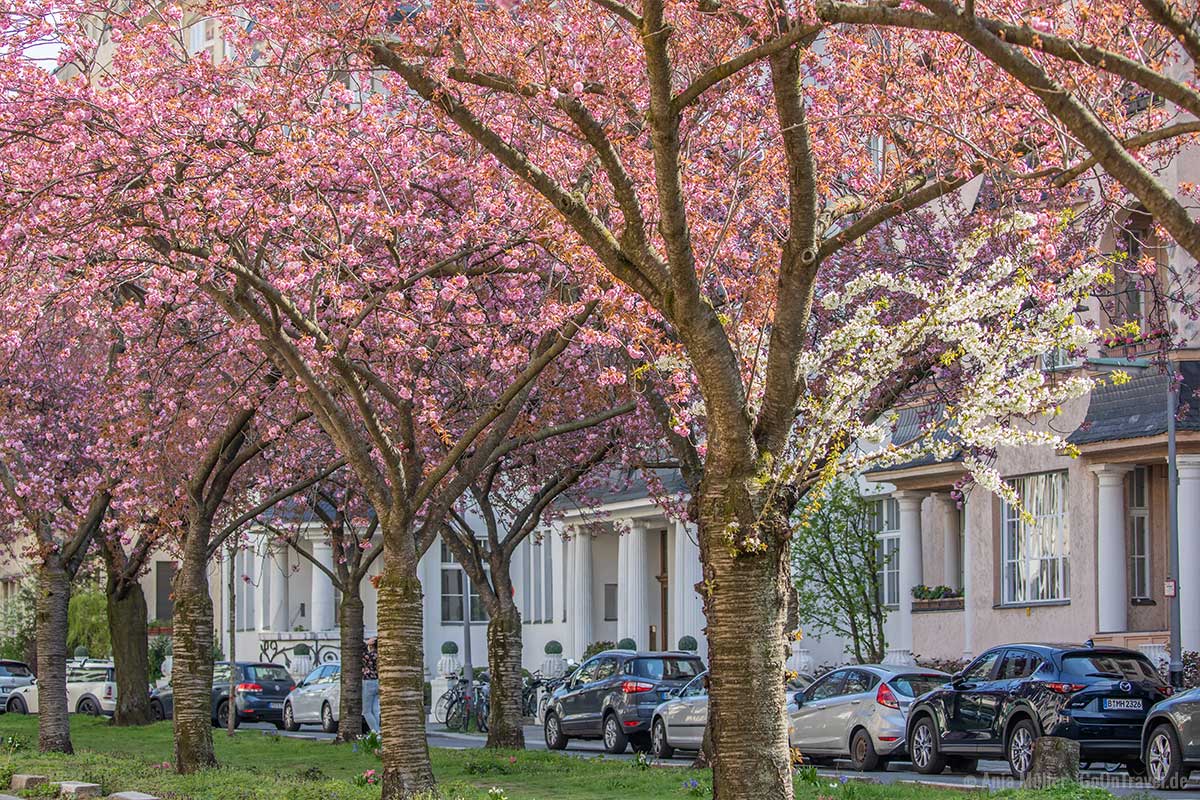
point(1176, 664)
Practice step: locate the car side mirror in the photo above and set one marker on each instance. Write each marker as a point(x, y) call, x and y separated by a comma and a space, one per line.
point(799, 700)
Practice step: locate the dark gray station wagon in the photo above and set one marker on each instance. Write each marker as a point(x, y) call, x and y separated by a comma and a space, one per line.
point(612, 696)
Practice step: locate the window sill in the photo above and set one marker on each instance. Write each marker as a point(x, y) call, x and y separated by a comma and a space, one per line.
point(1038, 604)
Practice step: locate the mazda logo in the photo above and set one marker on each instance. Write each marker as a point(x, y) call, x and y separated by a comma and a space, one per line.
point(1126, 686)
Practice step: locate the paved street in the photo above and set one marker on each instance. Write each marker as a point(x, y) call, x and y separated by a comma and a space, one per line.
point(994, 774)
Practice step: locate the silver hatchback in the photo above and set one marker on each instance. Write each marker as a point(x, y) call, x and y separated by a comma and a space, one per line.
point(859, 712)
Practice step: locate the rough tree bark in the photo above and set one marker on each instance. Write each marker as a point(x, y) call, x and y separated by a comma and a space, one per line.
point(505, 714)
point(192, 673)
point(53, 598)
point(407, 771)
point(350, 718)
point(127, 618)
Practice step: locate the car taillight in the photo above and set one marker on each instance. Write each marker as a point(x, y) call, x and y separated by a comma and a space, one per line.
point(108, 692)
point(1066, 688)
point(1167, 690)
point(636, 687)
point(249, 688)
point(886, 697)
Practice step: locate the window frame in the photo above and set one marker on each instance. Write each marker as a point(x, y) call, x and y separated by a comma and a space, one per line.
point(1138, 525)
point(1031, 556)
point(884, 520)
point(449, 564)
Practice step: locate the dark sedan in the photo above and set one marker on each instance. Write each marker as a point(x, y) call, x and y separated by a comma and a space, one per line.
point(259, 692)
point(1171, 740)
point(612, 696)
point(1013, 694)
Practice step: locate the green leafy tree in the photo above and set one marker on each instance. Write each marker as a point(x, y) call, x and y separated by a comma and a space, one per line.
point(87, 623)
point(17, 624)
point(836, 565)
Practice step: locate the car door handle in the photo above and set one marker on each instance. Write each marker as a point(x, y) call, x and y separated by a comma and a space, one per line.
point(855, 702)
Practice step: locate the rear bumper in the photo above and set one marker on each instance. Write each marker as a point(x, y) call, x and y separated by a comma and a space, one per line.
point(1100, 742)
point(260, 710)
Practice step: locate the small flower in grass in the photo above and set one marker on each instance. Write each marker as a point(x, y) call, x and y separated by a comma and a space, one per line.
point(512, 759)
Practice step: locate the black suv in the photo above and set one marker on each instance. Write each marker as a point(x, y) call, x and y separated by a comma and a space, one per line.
point(1011, 695)
point(612, 696)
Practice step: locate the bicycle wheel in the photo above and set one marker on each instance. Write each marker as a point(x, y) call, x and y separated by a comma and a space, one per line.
point(481, 716)
point(457, 715)
point(442, 706)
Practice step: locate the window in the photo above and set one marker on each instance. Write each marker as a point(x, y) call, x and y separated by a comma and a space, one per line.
point(606, 668)
point(981, 670)
point(258, 673)
point(1034, 545)
point(538, 589)
point(858, 682)
point(455, 586)
point(203, 37)
point(696, 688)
point(1139, 536)
point(827, 687)
point(883, 516)
point(610, 602)
point(164, 602)
point(1017, 664)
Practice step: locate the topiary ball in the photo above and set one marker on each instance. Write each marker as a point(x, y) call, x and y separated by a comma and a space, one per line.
point(627, 644)
point(81, 652)
point(449, 648)
point(688, 643)
point(554, 648)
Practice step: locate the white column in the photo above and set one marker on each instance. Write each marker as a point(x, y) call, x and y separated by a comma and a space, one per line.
point(971, 550)
point(278, 568)
point(266, 584)
point(623, 545)
point(637, 574)
point(581, 606)
point(677, 587)
point(690, 572)
point(1189, 551)
point(951, 557)
point(1112, 556)
point(910, 571)
point(554, 540)
point(322, 589)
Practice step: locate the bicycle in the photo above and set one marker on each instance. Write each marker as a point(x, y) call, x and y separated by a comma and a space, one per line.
point(442, 707)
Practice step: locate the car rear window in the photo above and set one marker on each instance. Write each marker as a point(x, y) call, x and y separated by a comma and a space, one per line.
point(88, 675)
point(668, 668)
point(916, 685)
point(1117, 666)
point(267, 672)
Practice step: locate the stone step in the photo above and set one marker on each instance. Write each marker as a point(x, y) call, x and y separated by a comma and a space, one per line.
point(126, 796)
point(28, 781)
point(8, 797)
point(79, 789)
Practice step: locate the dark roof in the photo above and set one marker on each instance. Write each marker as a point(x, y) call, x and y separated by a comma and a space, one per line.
point(909, 424)
point(625, 485)
point(1139, 407)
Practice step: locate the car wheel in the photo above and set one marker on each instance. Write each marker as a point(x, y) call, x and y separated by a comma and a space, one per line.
point(862, 752)
point(1163, 763)
point(328, 723)
point(223, 716)
point(552, 728)
point(923, 749)
point(1019, 750)
point(17, 705)
point(88, 706)
point(659, 746)
point(615, 740)
point(963, 765)
point(156, 712)
point(289, 718)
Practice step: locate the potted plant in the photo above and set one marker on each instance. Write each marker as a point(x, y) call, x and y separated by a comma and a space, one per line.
point(448, 664)
point(627, 644)
point(688, 644)
point(554, 665)
point(936, 598)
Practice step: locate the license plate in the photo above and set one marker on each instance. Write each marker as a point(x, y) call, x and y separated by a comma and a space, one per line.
point(276, 705)
point(3, 690)
point(1118, 704)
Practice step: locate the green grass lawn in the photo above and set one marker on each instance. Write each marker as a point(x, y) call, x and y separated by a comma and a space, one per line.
point(262, 767)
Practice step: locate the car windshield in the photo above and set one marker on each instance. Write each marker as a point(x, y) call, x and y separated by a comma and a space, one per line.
point(267, 672)
point(916, 685)
point(668, 668)
point(1117, 666)
point(14, 670)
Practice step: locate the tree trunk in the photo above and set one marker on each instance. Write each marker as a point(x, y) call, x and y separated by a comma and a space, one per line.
point(746, 608)
point(505, 712)
point(53, 599)
point(406, 768)
point(192, 673)
point(131, 652)
point(350, 718)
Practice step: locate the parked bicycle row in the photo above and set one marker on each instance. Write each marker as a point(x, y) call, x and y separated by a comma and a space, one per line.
point(1112, 701)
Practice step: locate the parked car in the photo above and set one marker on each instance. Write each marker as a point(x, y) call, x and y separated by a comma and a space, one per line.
point(259, 692)
point(316, 700)
point(613, 695)
point(679, 722)
point(1171, 740)
point(1013, 694)
point(859, 712)
point(91, 689)
point(13, 675)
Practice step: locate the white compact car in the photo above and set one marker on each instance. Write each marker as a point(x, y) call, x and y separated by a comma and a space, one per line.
point(316, 700)
point(91, 689)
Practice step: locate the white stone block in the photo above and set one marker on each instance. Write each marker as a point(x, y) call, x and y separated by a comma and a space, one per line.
point(79, 789)
point(128, 796)
point(27, 781)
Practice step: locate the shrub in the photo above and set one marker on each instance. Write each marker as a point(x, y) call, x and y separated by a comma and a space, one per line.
point(627, 644)
point(922, 592)
point(449, 648)
point(554, 648)
point(688, 644)
point(302, 649)
point(160, 647)
point(596, 647)
point(87, 623)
